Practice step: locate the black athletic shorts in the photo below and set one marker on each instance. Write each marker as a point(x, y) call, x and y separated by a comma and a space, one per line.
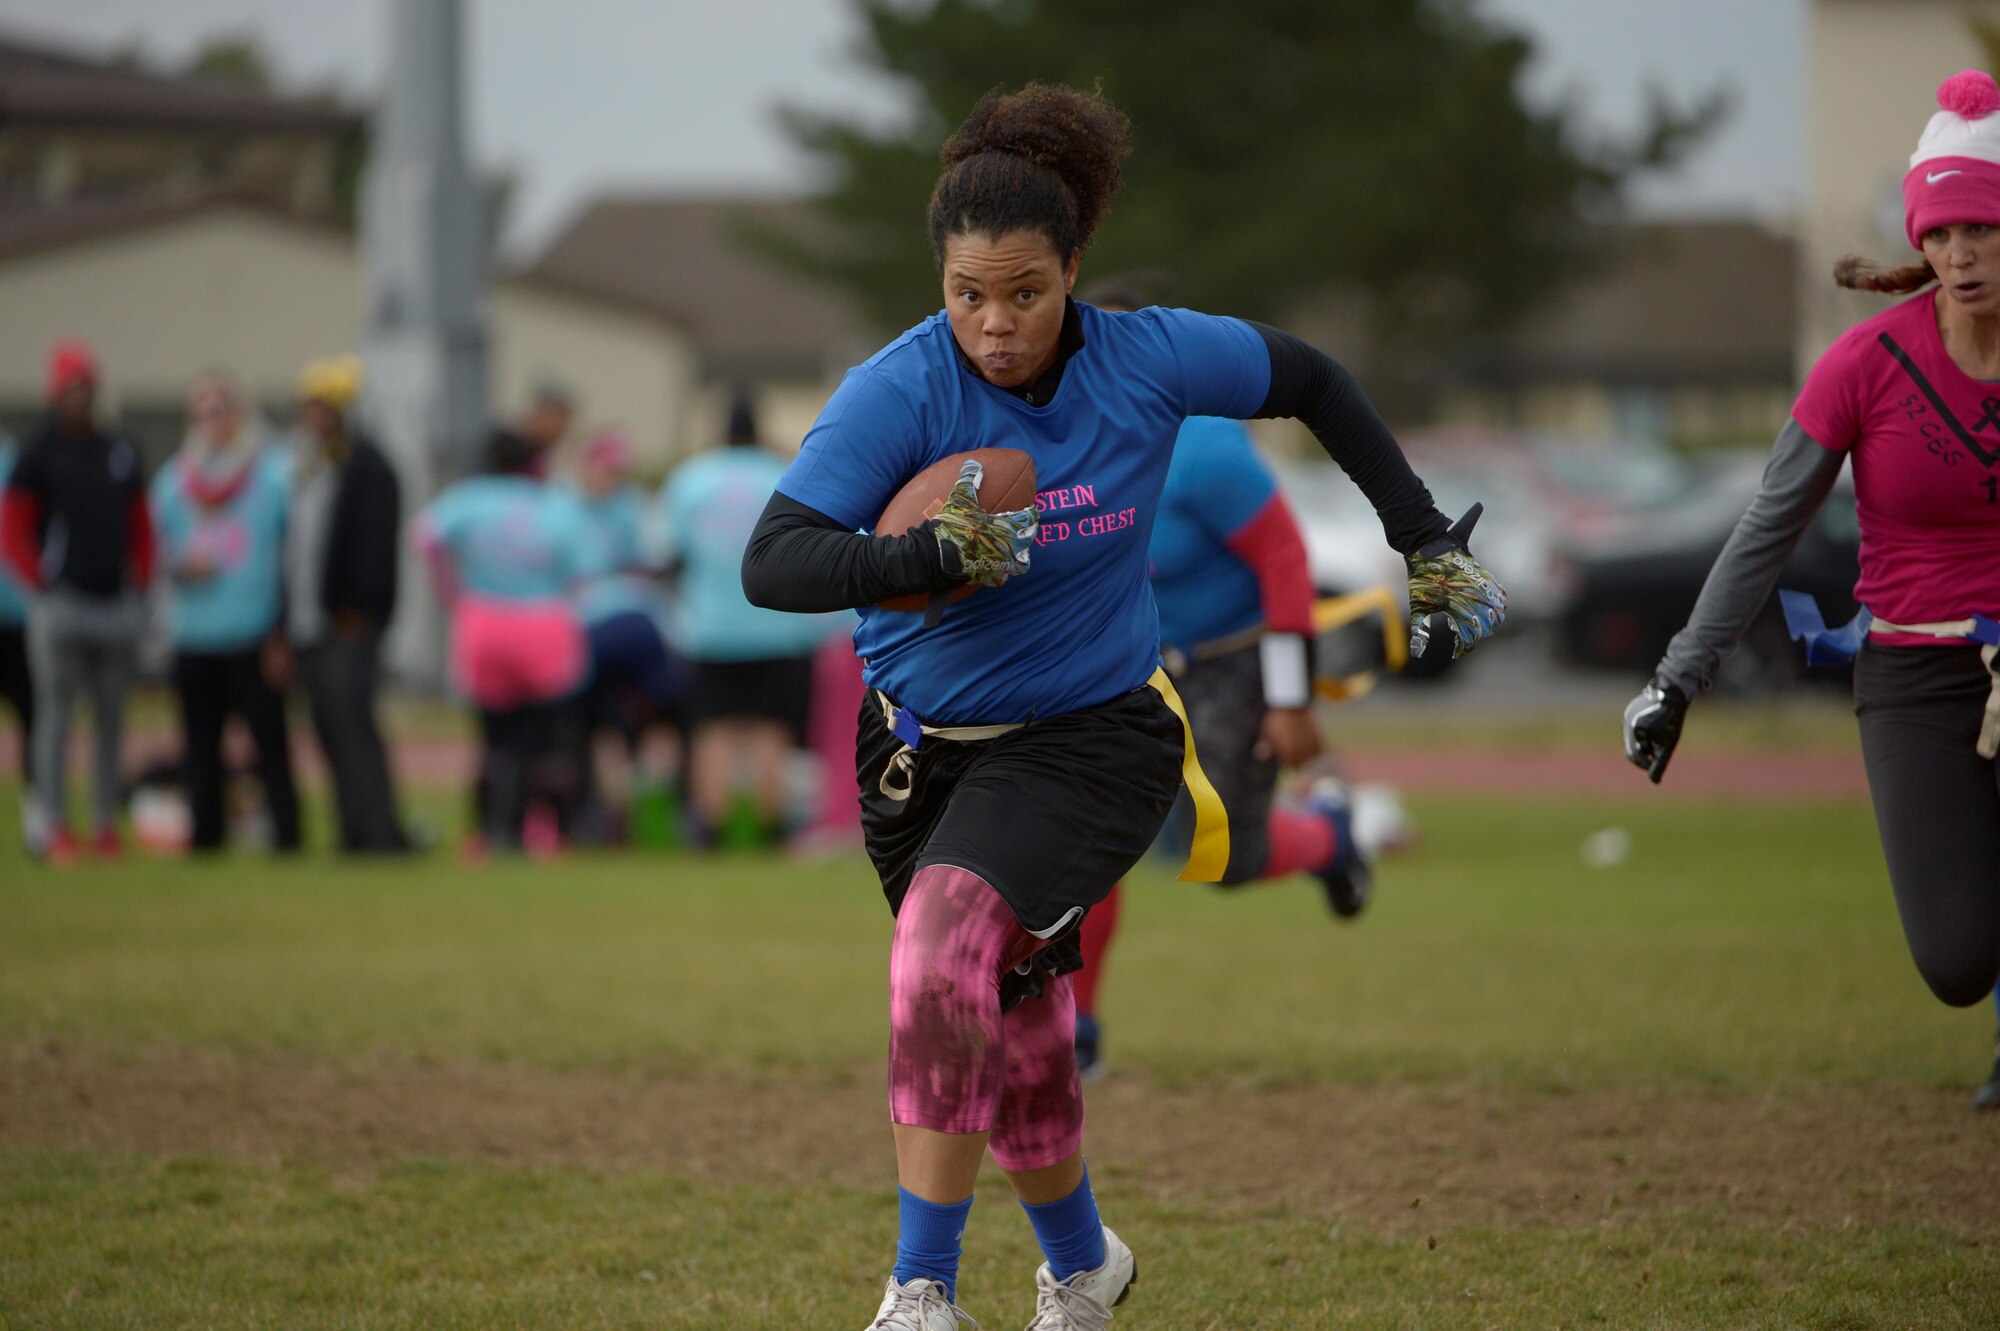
point(1052, 814)
point(777, 688)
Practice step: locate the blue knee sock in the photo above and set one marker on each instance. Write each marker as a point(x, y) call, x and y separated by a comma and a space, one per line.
point(1070, 1232)
point(930, 1240)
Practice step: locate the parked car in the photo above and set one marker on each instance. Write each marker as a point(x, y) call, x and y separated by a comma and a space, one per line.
point(1344, 544)
point(1636, 585)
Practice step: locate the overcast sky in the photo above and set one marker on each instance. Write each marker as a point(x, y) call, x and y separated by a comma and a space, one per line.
point(587, 95)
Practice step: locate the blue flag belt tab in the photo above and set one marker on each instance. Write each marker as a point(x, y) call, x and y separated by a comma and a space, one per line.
point(899, 777)
point(1824, 646)
point(1979, 629)
point(905, 725)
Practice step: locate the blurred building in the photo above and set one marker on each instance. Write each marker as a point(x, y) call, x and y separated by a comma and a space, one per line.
point(77, 133)
point(1681, 333)
point(167, 290)
point(699, 260)
point(1872, 76)
point(181, 227)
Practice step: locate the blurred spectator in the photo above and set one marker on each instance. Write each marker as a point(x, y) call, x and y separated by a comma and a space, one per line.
point(753, 667)
point(507, 553)
point(636, 681)
point(75, 528)
point(341, 552)
point(15, 681)
point(834, 727)
point(1987, 1096)
point(219, 506)
point(547, 421)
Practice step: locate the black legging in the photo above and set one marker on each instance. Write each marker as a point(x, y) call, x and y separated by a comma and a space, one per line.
point(530, 755)
point(211, 685)
point(18, 689)
point(1937, 805)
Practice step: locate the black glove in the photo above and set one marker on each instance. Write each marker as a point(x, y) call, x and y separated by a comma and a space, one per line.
point(1653, 726)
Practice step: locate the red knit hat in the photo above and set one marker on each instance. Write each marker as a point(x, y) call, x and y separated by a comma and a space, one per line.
point(71, 361)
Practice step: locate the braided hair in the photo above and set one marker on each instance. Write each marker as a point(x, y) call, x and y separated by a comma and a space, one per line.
point(1044, 159)
point(1857, 274)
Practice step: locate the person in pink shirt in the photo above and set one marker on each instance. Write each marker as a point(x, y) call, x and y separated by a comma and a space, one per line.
point(1912, 395)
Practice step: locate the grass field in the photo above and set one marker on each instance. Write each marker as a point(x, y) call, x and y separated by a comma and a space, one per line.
point(1700, 1088)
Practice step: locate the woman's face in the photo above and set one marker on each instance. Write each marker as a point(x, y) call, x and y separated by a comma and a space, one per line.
point(1005, 298)
point(1966, 258)
point(598, 477)
point(214, 411)
point(319, 419)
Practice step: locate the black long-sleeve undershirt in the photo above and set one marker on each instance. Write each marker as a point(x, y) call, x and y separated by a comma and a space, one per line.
point(802, 560)
point(1318, 390)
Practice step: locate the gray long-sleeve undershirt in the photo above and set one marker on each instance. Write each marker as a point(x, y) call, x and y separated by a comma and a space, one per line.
point(1796, 482)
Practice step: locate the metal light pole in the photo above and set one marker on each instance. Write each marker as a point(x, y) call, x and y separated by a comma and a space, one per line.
point(424, 255)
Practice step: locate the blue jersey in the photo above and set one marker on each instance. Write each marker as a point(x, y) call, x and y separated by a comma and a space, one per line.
point(241, 542)
point(515, 539)
point(13, 596)
point(708, 510)
point(1217, 484)
point(1079, 627)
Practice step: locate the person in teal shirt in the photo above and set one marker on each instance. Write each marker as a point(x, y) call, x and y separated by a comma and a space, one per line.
point(637, 683)
point(220, 506)
point(508, 552)
point(752, 667)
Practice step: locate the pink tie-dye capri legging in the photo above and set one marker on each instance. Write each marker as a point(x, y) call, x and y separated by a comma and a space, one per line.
point(956, 1063)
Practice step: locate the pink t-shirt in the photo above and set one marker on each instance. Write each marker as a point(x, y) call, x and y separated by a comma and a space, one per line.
point(1925, 438)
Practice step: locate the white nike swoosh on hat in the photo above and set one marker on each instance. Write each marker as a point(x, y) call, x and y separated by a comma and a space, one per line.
point(1932, 178)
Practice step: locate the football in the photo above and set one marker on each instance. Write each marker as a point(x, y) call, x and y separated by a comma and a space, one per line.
point(1009, 484)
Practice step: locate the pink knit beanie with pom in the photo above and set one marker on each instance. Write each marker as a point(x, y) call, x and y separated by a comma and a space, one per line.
point(1955, 172)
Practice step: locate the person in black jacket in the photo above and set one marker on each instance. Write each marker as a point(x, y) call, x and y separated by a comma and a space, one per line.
point(76, 533)
point(340, 566)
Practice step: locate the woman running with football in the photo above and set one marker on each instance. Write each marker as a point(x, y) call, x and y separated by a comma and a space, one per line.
point(1019, 751)
point(1909, 394)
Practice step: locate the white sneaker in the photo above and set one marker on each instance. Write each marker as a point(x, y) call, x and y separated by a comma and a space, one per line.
point(1382, 824)
point(34, 831)
point(921, 1305)
point(1084, 1301)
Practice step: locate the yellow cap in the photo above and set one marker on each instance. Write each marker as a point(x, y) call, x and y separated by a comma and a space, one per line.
point(335, 381)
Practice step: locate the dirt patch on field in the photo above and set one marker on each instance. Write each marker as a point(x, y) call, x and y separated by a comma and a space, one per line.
point(1425, 1158)
point(1393, 1156)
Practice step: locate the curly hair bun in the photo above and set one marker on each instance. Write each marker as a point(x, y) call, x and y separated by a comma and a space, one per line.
point(1043, 159)
point(1078, 135)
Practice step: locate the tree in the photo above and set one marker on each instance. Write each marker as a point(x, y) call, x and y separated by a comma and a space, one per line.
point(1379, 150)
point(235, 60)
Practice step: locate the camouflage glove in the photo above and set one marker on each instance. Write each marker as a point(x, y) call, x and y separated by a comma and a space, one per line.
point(1450, 590)
point(990, 547)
